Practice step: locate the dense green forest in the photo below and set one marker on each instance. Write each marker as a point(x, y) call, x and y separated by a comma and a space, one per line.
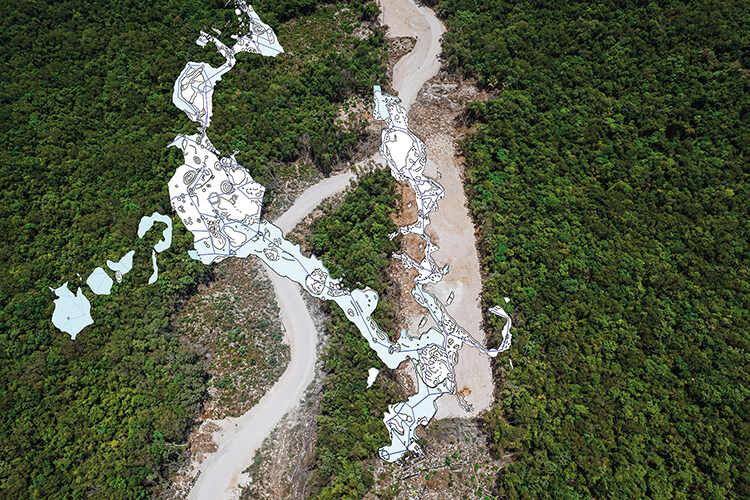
point(609, 179)
point(353, 242)
point(85, 115)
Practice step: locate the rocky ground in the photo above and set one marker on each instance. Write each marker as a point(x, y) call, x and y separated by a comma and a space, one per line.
point(440, 107)
point(397, 48)
point(457, 464)
point(234, 320)
point(438, 117)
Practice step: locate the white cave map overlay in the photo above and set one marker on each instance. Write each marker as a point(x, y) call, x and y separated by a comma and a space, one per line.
point(221, 205)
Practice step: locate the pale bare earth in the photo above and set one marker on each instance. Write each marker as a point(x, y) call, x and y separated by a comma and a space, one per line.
point(239, 438)
point(405, 18)
point(452, 226)
point(455, 236)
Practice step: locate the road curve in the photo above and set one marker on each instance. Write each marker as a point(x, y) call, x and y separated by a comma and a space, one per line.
point(405, 18)
point(239, 438)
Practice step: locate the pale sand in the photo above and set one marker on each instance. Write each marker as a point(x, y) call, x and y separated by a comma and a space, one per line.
point(239, 438)
point(405, 18)
point(452, 223)
point(311, 198)
point(454, 228)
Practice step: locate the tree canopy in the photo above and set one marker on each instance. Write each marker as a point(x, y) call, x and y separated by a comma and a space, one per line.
point(352, 240)
point(85, 117)
point(609, 182)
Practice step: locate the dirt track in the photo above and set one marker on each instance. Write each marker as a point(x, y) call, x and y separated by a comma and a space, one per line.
point(451, 226)
point(405, 18)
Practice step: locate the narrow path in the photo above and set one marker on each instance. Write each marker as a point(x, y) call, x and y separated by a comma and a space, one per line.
point(239, 438)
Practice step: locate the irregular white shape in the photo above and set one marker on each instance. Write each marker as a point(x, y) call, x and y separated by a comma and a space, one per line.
point(236, 238)
point(208, 201)
point(124, 265)
point(507, 299)
point(72, 312)
point(438, 348)
point(261, 38)
point(99, 282)
point(220, 203)
point(505, 344)
point(434, 365)
point(372, 374)
point(155, 274)
point(193, 90)
point(148, 221)
point(379, 111)
point(402, 419)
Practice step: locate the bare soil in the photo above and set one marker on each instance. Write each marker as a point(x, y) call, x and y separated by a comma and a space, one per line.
point(457, 462)
point(406, 212)
point(408, 312)
point(413, 246)
point(281, 467)
point(234, 321)
point(436, 118)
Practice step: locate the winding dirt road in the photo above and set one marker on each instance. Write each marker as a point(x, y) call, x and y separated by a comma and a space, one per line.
point(239, 438)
